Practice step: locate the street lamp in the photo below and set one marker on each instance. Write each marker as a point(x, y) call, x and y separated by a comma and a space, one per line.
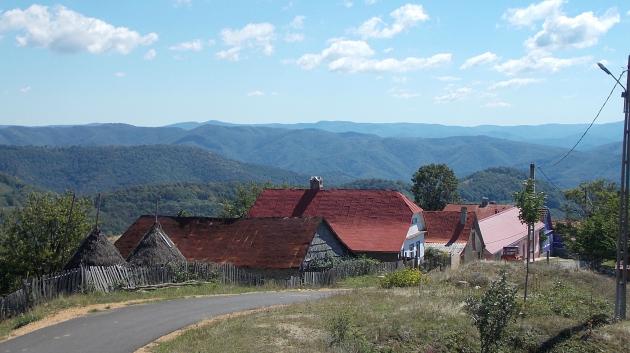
point(621, 271)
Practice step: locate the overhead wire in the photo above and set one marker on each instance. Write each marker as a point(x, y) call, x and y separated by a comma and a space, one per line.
point(592, 122)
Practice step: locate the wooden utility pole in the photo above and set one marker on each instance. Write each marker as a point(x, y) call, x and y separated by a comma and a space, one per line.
point(622, 241)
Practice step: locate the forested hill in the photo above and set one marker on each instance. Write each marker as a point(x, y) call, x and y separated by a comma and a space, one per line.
point(13, 192)
point(95, 169)
point(339, 157)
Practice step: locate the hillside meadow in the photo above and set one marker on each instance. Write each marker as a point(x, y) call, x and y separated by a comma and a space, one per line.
point(567, 311)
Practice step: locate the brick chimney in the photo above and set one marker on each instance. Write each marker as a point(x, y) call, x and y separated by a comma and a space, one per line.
point(317, 183)
point(463, 216)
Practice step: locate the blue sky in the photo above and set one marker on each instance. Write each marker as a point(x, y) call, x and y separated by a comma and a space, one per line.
point(153, 63)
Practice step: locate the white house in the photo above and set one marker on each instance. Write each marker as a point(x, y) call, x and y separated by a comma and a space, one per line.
point(413, 246)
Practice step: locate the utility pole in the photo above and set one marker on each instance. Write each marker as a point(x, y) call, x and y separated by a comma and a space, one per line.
point(622, 240)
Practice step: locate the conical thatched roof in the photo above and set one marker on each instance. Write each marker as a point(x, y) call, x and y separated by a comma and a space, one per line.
point(155, 248)
point(95, 250)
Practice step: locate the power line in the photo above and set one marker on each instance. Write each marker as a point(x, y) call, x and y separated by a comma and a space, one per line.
point(591, 125)
point(550, 181)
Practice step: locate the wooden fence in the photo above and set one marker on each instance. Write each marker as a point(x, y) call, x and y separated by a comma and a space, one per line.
point(106, 279)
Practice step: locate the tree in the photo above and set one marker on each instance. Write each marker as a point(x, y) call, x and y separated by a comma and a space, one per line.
point(593, 211)
point(246, 195)
point(529, 203)
point(40, 237)
point(492, 312)
point(434, 186)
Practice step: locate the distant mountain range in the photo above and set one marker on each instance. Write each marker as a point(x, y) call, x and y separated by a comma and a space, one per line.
point(287, 153)
point(92, 169)
point(559, 135)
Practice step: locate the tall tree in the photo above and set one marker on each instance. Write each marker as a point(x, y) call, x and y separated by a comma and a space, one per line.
point(594, 206)
point(245, 196)
point(40, 237)
point(529, 203)
point(434, 186)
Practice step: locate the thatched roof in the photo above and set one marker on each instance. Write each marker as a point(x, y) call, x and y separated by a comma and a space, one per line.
point(155, 248)
point(95, 250)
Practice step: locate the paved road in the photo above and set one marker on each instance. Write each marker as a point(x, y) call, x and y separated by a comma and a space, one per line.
point(124, 330)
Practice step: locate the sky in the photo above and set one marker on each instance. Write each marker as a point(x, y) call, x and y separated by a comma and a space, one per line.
point(159, 62)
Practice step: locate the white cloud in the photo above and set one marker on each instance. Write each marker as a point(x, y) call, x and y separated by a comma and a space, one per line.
point(514, 83)
point(253, 35)
point(581, 31)
point(347, 3)
point(182, 3)
point(231, 54)
point(539, 62)
point(63, 30)
point(297, 22)
point(293, 37)
point(150, 54)
point(25, 89)
point(255, 93)
point(403, 17)
point(120, 74)
point(358, 64)
point(497, 104)
point(388, 50)
point(402, 93)
point(355, 56)
point(370, 2)
point(527, 16)
point(628, 13)
point(448, 78)
point(453, 94)
point(193, 45)
point(481, 59)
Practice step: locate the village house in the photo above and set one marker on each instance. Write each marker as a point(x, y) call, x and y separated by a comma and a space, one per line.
point(454, 232)
point(374, 223)
point(505, 234)
point(275, 247)
point(482, 210)
point(413, 247)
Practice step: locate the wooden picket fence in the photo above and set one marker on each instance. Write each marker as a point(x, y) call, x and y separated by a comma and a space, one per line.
point(106, 279)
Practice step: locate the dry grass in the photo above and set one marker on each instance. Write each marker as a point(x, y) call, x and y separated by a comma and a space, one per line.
point(429, 318)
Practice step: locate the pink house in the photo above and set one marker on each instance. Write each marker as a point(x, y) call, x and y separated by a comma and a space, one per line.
point(504, 231)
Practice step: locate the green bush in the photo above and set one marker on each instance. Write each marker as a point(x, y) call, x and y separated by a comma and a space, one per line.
point(407, 277)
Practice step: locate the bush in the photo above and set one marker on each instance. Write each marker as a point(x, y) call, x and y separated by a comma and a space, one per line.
point(492, 312)
point(407, 277)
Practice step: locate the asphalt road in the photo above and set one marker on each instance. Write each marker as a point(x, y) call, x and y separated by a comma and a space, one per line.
point(124, 330)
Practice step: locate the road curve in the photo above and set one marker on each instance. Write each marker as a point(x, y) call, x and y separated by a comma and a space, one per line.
point(124, 330)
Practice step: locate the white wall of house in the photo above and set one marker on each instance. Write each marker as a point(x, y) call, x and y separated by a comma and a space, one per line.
point(413, 246)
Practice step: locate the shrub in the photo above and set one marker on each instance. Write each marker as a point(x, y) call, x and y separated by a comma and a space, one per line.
point(406, 277)
point(492, 312)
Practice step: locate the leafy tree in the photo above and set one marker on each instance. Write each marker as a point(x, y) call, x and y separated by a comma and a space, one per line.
point(434, 185)
point(492, 312)
point(529, 203)
point(40, 237)
point(593, 211)
point(246, 195)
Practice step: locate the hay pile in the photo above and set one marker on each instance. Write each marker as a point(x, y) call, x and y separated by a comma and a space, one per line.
point(95, 250)
point(155, 248)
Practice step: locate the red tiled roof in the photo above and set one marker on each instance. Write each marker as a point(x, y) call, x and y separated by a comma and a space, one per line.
point(264, 243)
point(364, 220)
point(445, 227)
point(481, 212)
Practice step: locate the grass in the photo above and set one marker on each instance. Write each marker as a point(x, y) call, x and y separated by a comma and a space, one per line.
point(81, 300)
point(566, 311)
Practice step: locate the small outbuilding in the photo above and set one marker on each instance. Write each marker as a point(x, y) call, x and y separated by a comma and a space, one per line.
point(155, 248)
point(275, 247)
point(95, 250)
